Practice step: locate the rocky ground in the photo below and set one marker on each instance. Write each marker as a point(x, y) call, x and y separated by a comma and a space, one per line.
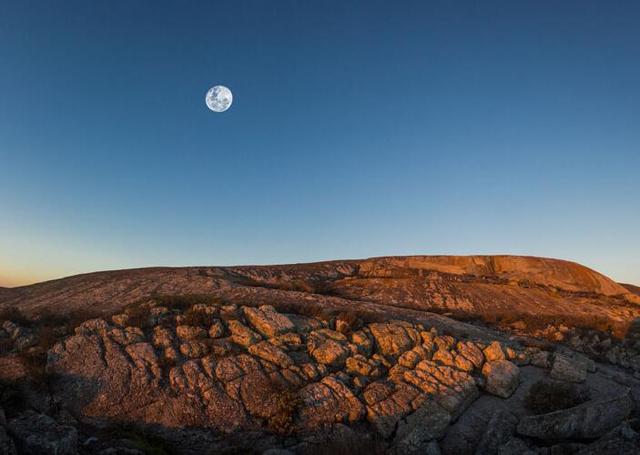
point(211, 377)
point(282, 369)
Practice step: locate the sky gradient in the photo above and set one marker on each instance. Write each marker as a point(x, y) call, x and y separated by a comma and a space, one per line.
point(358, 129)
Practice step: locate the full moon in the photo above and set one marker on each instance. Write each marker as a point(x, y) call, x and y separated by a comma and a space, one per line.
point(219, 98)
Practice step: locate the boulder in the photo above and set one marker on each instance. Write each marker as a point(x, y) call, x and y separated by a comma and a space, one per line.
point(328, 401)
point(540, 359)
point(568, 369)
point(445, 342)
point(471, 352)
point(388, 404)
point(462, 363)
point(189, 332)
point(241, 334)
point(501, 377)
point(38, 434)
point(499, 431)
point(363, 342)
point(290, 340)
point(588, 363)
point(271, 353)
point(216, 330)
point(268, 321)
point(420, 428)
point(494, 352)
point(7, 447)
point(358, 364)
point(324, 348)
point(194, 349)
point(451, 388)
point(586, 421)
point(162, 337)
point(444, 357)
point(120, 319)
point(394, 338)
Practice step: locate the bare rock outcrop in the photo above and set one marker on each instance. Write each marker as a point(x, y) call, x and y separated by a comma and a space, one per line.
point(586, 421)
point(268, 321)
point(226, 372)
point(501, 377)
point(386, 374)
point(567, 369)
point(39, 434)
point(486, 286)
point(7, 446)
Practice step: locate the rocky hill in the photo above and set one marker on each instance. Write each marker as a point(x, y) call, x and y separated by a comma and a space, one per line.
point(633, 289)
point(489, 288)
point(529, 355)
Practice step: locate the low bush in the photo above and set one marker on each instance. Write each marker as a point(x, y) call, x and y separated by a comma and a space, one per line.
point(5, 346)
point(138, 315)
point(351, 319)
point(197, 318)
point(186, 301)
point(141, 439)
point(15, 315)
point(548, 396)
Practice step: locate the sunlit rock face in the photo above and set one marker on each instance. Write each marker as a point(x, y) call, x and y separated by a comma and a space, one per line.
point(288, 358)
point(525, 292)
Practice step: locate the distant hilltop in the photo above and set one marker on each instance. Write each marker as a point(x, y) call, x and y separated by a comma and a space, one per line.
point(483, 287)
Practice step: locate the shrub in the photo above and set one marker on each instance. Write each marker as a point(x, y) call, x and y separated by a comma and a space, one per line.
point(197, 318)
point(5, 346)
point(547, 396)
point(186, 301)
point(138, 315)
point(15, 315)
point(141, 439)
point(34, 361)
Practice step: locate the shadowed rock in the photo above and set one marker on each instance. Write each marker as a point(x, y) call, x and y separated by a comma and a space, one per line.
point(586, 421)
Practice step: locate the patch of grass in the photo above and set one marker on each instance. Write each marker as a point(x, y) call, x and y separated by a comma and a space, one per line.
point(548, 396)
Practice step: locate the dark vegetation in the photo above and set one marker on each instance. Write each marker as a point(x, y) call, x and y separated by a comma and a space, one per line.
point(531, 321)
point(183, 302)
point(312, 310)
point(15, 315)
point(138, 438)
point(371, 444)
point(308, 286)
point(548, 396)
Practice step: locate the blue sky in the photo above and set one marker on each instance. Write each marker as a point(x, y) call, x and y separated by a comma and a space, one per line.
point(358, 129)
